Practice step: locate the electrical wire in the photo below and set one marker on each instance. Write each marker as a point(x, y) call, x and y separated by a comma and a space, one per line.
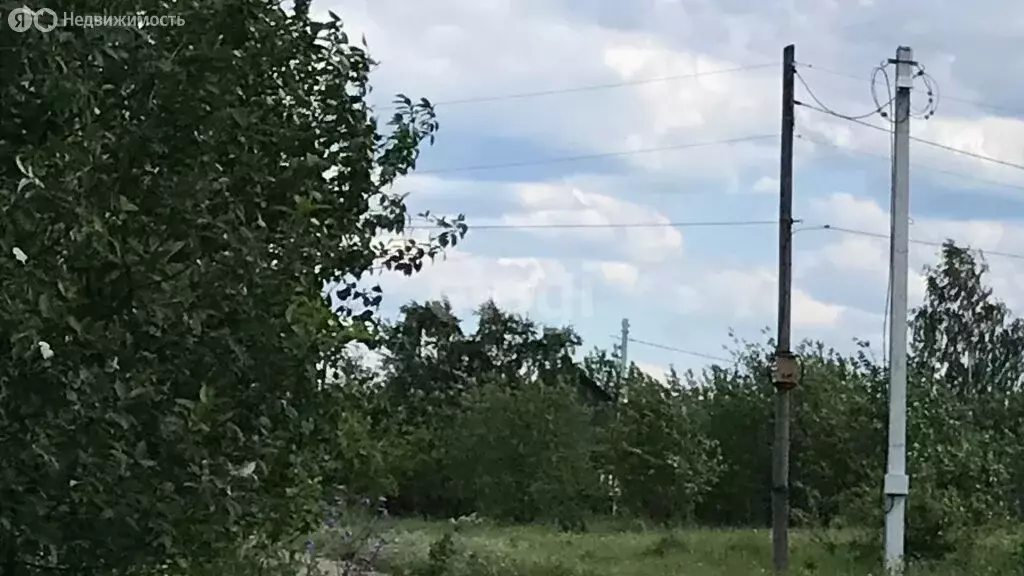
point(931, 88)
point(598, 155)
point(680, 350)
point(882, 71)
point(869, 234)
point(691, 224)
point(810, 92)
point(708, 224)
point(888, 293)
point(972, 102)
point(945, 147)
point(892, 207)
point(594, 87)
point(888, 159)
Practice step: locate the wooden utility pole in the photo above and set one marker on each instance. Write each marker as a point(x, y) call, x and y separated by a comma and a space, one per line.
point(785, 361)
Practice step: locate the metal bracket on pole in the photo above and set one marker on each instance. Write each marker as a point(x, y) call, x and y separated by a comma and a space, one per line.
point(904, 75)
point(896, 485)
point(787, 370)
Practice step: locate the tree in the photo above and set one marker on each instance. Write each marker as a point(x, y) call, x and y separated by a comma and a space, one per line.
point(426, 377)
point(524, 452)
point(963, 339)
point(662, 460)
point(966, 358)
point(434, 374)
point(173, 201)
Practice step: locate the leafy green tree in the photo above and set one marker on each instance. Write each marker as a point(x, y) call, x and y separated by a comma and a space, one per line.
point(838, 432)
point(964, 340)
point(426, 377)
point(173, 201)
point(524, 453)
point(737, 407)
point(662, 459)
point(433, 372)
point(966, 416)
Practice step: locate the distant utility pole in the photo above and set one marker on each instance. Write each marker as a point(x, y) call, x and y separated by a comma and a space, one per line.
point(623, 375)
point(897, 483)
point(623, 347)
point(785, 361)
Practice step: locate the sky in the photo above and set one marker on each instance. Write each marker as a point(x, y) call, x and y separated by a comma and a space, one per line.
point(668, 111)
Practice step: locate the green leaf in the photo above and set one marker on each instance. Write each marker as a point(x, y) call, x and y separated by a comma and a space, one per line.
point(25, 171)
point(45, 309)
point(126, 205)
point(75, 324)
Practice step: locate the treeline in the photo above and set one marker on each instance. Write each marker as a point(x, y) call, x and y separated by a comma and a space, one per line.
point(499, 420)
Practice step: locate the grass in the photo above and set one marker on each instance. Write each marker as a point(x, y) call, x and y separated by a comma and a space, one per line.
point(610, 550)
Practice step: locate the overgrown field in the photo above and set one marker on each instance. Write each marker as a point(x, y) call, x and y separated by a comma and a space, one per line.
point(419, 548)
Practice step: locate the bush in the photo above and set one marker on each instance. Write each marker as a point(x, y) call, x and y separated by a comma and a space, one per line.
point(524, 453)
point(662, 460)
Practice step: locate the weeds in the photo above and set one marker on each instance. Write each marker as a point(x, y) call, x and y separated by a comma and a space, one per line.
point(478, 548)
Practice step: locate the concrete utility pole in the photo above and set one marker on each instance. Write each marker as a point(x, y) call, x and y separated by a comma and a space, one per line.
point(785, 361)
point(897, 483)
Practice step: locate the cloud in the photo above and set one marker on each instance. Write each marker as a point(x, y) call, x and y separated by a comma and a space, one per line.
point(849, 211)
point(753, 295)
point(464, 50)
point(866, 256)
point(945, 146)
point(657, 371)
point(461, 49)
point(561, 204)
point(575, 210)
point(455, 49)
point(766, 185)
point(538, 286)
point(621, 274)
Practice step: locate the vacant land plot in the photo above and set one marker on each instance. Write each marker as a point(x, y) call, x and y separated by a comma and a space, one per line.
point(415, 548)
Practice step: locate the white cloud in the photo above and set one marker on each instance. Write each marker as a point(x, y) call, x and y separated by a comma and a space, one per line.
point(753, 295)
point(849, 211)
point(869, 256)
point(766, 185)
point(555, 204)
point(994, 137)
point(539, 286)
point(621, 274)
point(527, 46)
point(657, 371)
point(458, 49)
point(705, 108)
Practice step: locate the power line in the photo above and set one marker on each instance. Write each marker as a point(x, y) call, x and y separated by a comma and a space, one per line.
point(853, 117)
point(975, 155)
point(978, 103)
point(595, 156)
point(913, 241)
point(919, 166)
point(680, 350)
point(691, 224)
point(594, 87)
